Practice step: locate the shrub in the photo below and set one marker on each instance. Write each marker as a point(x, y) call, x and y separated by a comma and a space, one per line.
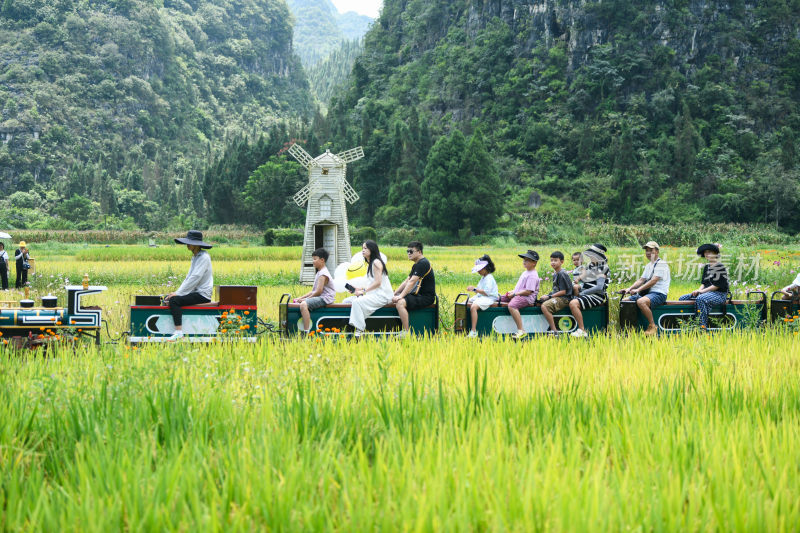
point(269, 236)
point(359, 235)
point(288, 237)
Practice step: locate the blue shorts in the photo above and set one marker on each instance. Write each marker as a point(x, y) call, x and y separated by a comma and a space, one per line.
point(656, 298)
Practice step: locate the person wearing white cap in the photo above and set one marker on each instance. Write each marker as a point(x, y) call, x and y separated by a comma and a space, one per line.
point(652, 288)
point(486, 292)
point(199, 282)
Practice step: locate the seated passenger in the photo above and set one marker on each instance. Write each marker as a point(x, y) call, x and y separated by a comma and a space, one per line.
point(561, 294)
point(322, 293)
point(524, 293)
point(199, 282)
point(793, 290)
point(714, 284)
point(419, 289)
point(652, 288)
point(486, 292)
point(577, 282)
point(594, 281)
point(377, 293)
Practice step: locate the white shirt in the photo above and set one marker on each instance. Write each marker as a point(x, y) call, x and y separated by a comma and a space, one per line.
point(4, 256)
point(796, 282)
point(659, 269)
point(200, 278)
point(489, 286)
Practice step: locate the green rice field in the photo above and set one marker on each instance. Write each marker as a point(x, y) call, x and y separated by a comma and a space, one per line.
point(614, 433)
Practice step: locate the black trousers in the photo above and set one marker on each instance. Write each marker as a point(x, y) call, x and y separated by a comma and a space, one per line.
point(177, 302)
point(4, 274)
point(22, 277)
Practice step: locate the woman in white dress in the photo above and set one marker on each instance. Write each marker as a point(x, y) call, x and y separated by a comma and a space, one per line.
point(376, 294)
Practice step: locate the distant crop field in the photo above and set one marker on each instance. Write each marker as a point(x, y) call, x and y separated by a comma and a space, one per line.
point(617, 432)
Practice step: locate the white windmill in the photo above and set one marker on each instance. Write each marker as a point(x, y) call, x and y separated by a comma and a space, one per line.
point(326, 214)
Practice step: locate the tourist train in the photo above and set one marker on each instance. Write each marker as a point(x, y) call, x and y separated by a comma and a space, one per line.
point(234, 316)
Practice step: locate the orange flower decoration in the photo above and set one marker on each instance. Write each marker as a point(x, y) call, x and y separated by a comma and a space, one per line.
point(247, 312)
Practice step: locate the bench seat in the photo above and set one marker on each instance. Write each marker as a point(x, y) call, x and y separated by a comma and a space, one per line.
point(348, 306)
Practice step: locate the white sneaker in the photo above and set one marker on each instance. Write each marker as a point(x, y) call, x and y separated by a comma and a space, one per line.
point(472, 334)
point(403, 334)
point(175, 336)
point(579, 333)
point(520, 334)
point(358, 333)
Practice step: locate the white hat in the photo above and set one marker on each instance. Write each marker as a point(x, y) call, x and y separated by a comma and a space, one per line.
point(479, 265)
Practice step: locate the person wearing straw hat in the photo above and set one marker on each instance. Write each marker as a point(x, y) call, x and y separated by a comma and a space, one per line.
point(22, 255)
point(199, 282)
point(593, 281)
point(713, 288)
point(652, 288)
point(4, 266)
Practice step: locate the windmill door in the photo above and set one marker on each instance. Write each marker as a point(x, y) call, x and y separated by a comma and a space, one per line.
point(325, 237)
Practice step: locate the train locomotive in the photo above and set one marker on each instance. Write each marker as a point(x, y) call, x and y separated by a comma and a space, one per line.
point(30, 325)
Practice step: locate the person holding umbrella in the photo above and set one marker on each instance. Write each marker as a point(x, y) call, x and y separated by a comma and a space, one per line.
point(22, 257)
point(199, 282)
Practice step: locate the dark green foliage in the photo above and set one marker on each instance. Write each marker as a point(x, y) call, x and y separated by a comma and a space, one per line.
point(131, 98)
point(631, 111)
point(461, 186)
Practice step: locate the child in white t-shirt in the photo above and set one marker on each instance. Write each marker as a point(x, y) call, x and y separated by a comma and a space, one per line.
point(486, 292)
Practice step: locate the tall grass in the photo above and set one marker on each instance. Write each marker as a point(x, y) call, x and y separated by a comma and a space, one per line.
point(684, 433)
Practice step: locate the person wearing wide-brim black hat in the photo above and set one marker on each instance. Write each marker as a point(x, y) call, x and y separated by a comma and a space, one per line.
point(199, 282)
point(713, 288)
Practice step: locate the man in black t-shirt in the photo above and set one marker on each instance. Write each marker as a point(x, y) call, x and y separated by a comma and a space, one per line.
point(419, 289)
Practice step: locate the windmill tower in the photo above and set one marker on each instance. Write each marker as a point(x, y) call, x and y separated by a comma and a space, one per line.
point(326, 214)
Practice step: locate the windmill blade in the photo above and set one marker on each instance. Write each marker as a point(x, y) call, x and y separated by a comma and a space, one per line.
point(352, 154)
point(301, 196)
point(303, 157)
point(350, 194)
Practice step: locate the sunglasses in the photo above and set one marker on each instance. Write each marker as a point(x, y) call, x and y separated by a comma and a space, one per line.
point(410, 251)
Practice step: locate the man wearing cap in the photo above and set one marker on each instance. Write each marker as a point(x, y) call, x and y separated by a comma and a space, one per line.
point(199, 282)
point(652, 288)
point(525, 291)
point(21, 255)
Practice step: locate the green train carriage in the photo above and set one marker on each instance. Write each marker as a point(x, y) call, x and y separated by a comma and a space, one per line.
point(497, 320)
point(677, 315)
point(335, 318)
